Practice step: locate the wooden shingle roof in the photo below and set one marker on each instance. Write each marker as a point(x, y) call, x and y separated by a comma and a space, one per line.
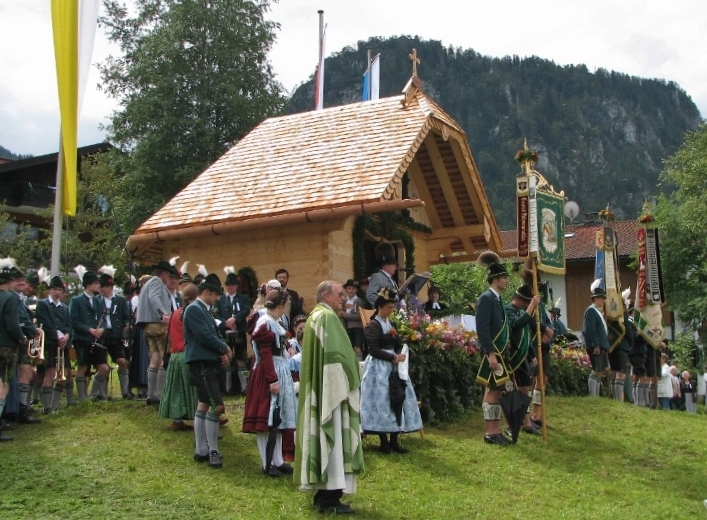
point(341, 157)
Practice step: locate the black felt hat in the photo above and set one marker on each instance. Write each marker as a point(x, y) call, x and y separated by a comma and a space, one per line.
point(163, 265)
point(15, 273)
point(492, 262)
point(6, 266)
point(211, 282)
point(525, 292)
point(32, 278)
point(232, 279)
point(185, 278)
point(56, 283)
point(89, 277)
point(106, 280)
point(350, 283)
point(597, 290)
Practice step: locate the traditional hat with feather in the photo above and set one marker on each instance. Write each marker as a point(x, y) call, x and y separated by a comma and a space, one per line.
point(6, 266)
point(184, 275)
point(211, 282)
point(106, 276)
point(385, 254)
point(87, 277)
point(596, 289)
point(231, 278)
point(492, 262)
point(202, 273)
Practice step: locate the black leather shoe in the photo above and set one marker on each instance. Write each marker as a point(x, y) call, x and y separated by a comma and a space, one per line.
point(397, 448)
point(498, 439)
point(28, 419)
point(215, 460)
point(152, 401)
point(5, 438)
point(129, 396)
point(339, 509)
point(272, 472)
point(285, 469)
point(385, 449)
point(200, 458)
point(531, 430)
point(539, 423)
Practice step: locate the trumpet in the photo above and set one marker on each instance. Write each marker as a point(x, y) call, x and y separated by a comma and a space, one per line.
point(35, 347)
point(60, 367)
point(95, 340)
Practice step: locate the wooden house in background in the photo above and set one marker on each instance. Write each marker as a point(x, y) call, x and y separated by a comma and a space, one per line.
point(288, 194)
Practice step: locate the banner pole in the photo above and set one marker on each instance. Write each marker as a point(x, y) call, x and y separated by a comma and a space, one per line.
point(55, 265)
point(541, 372)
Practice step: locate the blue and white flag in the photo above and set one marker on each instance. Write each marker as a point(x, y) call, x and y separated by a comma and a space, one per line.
point(371, 80)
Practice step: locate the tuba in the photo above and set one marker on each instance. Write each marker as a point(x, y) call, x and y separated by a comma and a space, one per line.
point(35, 347)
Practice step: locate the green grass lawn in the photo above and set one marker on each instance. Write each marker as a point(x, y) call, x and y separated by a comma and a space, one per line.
point(602, 460)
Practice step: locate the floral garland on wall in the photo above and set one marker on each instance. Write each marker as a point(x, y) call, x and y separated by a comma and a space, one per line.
point(389, 226)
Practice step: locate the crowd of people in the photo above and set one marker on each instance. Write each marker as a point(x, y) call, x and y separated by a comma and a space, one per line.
point(313, 382)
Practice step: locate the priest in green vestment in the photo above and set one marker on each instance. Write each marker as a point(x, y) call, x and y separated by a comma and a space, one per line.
point(329, 453)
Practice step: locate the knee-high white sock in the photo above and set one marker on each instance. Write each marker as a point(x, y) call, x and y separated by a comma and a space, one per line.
point(24, 394)
point(277, 459)
point(202, 446)
point(212, 425)
point(124, 378)
point(152, 383)
point(161, 378)
point(97, 386)
point(592, 385)
point(617, 386)
point(56, 395)
point(47, 398)
point(262, 439)
point(81, 388)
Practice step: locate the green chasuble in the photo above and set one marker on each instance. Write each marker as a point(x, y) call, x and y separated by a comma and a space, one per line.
point(329, 393)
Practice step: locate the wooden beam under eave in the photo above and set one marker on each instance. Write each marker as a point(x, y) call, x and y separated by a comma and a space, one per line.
point(460, 232)
point(447, 188)
point(421, 186)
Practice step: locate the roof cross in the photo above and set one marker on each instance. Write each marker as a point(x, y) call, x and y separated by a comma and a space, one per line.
point(415, 61)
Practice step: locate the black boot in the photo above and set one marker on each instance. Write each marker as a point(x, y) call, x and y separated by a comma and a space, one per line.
point(397, 448)
point(25, 418)
point(385, 445)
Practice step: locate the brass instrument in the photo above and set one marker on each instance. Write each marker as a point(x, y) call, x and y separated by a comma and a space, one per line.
point(35, 347)
point(95, 340)
point(60, 375)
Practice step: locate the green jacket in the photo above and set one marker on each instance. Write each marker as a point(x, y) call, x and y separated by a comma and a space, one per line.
point(201, 339)
point(84, 316)
point(119, 315)
point(53, 319)
point(11, 334)
point(521, 326)
point(595, 334)
point(26, 317)
point(239, 310)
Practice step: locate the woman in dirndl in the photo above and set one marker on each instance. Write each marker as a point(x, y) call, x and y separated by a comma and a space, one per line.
point(179, 399)
point(384, 355)
point(270, 386)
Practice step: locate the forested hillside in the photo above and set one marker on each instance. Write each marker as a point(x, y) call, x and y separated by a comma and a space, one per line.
point(602, 135)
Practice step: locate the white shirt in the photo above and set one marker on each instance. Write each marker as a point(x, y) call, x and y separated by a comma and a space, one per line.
point(108, 303)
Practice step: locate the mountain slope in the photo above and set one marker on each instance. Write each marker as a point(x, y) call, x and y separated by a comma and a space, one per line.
point(602, 136)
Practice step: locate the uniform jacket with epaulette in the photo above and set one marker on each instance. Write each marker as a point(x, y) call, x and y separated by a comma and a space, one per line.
point(53, 318)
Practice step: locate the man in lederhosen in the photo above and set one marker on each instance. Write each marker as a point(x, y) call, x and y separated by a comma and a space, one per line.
point(86, 314)
point(596, 337)
point(205, 351)
point(26, 372)
point(232, 310)
point(54, 318)
point(12, 339)
point(492, 340)
point(522, 328)
point(153, 311)
point(116, 327)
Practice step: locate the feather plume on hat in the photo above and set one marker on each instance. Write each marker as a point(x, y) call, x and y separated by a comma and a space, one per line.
point(80, 270)
point(173, 261)
point(557, 302)
point(7, 263)
point(229, 269)
point(625, 295)
point(184, 267)
point(488, 258)
point(107, 269)
point(595, 284)
point(43, 275)
point(133, 280)
point(201, 268)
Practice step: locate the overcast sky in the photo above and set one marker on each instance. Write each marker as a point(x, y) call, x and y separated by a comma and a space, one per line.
point(647, 38)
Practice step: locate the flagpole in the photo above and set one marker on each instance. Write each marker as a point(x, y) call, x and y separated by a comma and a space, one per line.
point(539, 346)
point(369, 53)
point(58, 212)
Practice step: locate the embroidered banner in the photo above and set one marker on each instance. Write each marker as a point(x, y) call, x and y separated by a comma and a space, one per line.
point(523, 215)
point(550, 224)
